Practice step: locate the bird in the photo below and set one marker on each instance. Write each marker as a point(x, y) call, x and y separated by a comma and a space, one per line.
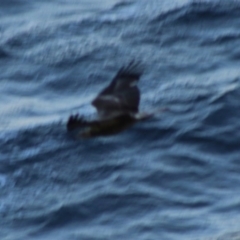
point(117, 105)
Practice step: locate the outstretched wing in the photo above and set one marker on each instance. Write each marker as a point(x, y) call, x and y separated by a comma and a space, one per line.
point(122, 94)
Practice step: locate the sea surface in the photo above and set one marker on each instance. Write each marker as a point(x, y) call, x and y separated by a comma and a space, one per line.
point(173, 177)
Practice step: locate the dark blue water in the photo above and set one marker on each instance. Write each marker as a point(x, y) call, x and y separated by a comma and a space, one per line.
point(174, 177)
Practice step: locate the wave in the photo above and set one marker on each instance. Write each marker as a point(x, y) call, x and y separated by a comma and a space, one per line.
point(3, 53)
point(199, 12)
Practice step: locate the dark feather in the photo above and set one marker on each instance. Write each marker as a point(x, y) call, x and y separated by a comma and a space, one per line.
point(75, 121)
point(122, 94)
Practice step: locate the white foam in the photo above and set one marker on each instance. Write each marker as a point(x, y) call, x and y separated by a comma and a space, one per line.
point(3, 180)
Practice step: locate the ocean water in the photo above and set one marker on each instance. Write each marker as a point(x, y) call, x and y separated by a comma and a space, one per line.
point(173, 177)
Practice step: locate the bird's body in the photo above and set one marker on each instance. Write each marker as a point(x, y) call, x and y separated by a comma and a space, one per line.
point(104, 127)
point(108, 126)
point(117, 106)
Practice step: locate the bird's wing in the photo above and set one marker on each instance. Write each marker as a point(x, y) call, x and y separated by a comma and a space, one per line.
point(122, 94)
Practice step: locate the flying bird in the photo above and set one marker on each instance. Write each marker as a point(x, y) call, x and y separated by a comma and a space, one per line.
point(117, 105)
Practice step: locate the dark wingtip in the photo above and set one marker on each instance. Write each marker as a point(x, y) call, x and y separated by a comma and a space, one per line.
point(133, 67)
point(74, 122)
